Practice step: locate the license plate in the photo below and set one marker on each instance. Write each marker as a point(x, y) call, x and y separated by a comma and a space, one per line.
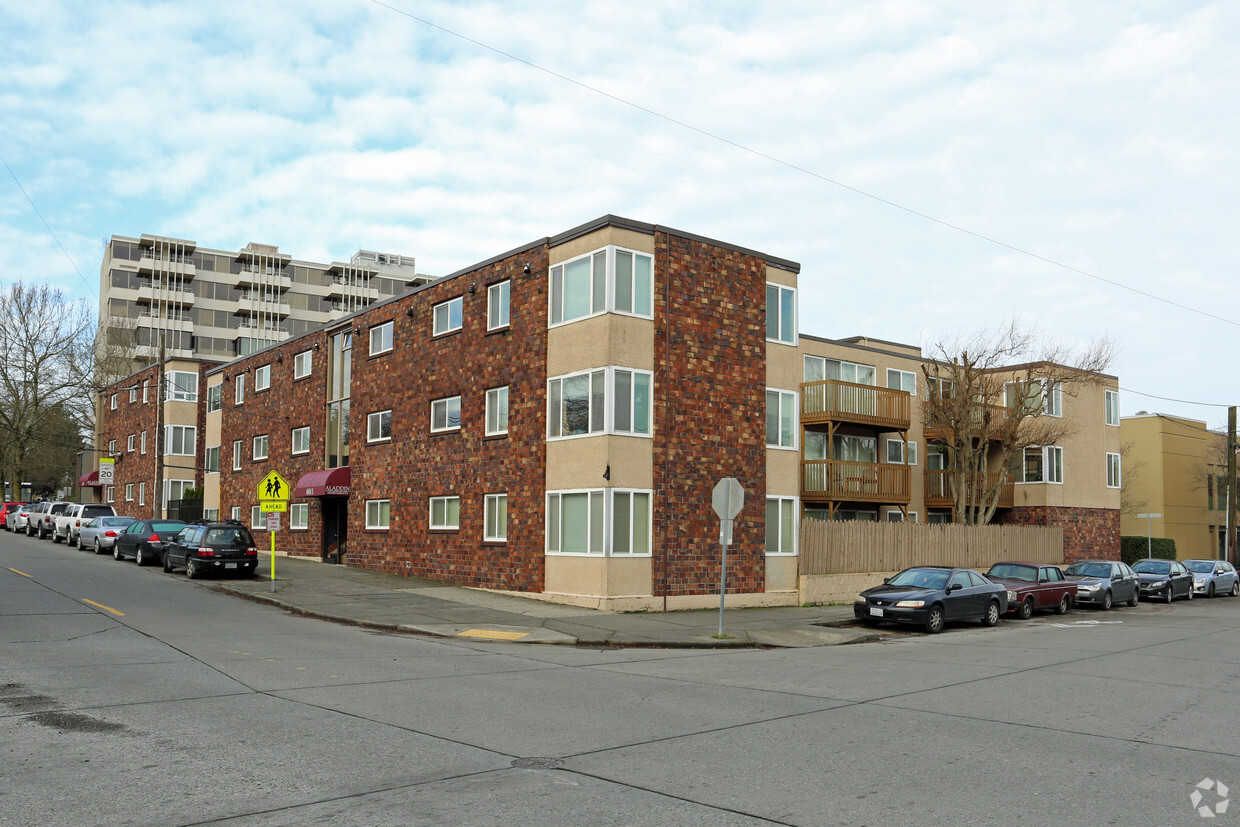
point(230, 565)
point(876, 611)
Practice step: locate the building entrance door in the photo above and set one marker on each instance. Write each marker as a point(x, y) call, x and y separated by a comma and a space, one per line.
point(335, 529)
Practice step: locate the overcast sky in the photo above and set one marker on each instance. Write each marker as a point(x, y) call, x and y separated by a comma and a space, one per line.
point(886, 146)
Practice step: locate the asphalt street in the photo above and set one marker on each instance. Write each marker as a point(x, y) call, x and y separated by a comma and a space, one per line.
point(132, 696)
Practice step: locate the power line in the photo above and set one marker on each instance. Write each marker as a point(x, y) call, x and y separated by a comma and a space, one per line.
point(1173, 399)
point(788, 164)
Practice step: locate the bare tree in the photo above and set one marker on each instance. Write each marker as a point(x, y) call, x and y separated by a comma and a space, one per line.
point(46, 345)
point(988, 399)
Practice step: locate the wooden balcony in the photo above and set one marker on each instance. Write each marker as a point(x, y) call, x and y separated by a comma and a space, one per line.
point(832, 400)
point(939, 489)
point(834, 480)
point(997, 413)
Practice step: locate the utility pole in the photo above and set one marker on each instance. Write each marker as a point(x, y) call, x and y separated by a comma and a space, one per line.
point(1231, 484)
point(160, 392)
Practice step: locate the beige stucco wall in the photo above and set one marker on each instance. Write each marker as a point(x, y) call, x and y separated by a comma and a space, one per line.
point(781, 573)
point(590, 242)
point(608, 580)
point(212, 437)
point(599, 341)
point(838, 588)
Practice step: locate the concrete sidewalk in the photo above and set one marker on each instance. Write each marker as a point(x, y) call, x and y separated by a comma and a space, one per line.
point(408, 604)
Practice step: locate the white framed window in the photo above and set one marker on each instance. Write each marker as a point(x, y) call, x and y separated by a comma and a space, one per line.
point(380, 338)
point(239, 389)
point(179, 440)
point(211, 514)
point(142, 443)
point(445, 513)
point(603, 400)
point(146, 384)
point(1052, 398)
point(895, 515)
point(495, 522)
point(133, 394)
point(256, 517)
point(781, 314)
point(129, 442)
point(497, 411)
point(781, 419)
point(298, 516)
point(1113, 471)
point(378, 514)
point(1040, 396)
point(260, 447)
point(379, 426)
point(1038, 463)
point(902, 380)
point(1112, 407)
point(607, 521)
point(446, 414)
point(302, 364)
point(112, 447)
point(300, 440)
point(129, 492)
point(497, 305)
point(112, 404)
point(613, 279)
point(631, 410)
point(781, 525)
point(211, 459)
point(447, 316)
point(182, 386)
point(818, 369)
point(235, 513)
point(262, 378)
point(215, 396)
point(896, 452)
point(236, 455)
point(109, 493)
point(176, 490)
point(141, 493)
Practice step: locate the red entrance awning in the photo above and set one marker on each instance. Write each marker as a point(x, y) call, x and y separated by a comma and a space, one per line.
point(332, 482)
point(91, 479)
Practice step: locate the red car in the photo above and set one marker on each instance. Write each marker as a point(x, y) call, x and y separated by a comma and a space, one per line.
point(9, 508)
point(1037, 586)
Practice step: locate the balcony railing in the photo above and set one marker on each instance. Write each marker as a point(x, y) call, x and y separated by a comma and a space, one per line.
point(833, 400)
point(997, 414)
point(844, 481)
point(939, 489)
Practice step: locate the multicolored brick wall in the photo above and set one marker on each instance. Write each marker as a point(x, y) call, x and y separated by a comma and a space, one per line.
point(1088, 533)
point(710, 409)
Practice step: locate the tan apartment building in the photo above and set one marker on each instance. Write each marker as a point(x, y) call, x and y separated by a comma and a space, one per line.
point(1178, 471)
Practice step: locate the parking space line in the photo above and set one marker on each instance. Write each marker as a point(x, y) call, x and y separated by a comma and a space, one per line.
point(105, 608)
point(22, 573)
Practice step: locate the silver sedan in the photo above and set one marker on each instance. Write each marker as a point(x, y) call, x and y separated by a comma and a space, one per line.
point(100, 533)
point(1211, 577)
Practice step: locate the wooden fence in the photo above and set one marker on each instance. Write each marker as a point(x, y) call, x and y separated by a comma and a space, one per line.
point(852, 547)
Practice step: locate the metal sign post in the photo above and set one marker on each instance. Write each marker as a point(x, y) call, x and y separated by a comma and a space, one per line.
point(273, 494)
point(727, 499)
point(1149, 533)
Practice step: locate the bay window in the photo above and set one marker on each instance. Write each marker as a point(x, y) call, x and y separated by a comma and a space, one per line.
point(612, 279)
point(602, 400)
point(604, 522)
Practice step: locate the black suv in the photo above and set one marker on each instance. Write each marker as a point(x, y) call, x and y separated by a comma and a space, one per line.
point(221, 546)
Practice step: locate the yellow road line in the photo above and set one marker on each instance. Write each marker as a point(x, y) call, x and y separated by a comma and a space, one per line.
point(492, 635)
point(105, 608)
point(22, 573)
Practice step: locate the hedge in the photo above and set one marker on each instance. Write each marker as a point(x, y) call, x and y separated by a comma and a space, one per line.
point(1132, 549)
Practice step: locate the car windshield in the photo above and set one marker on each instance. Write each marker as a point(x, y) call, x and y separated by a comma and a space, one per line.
point(1152, 567)
point(1013, 571)
point(1090, 569)
point(922, 578)
point(174, 525)
point(1200, 566)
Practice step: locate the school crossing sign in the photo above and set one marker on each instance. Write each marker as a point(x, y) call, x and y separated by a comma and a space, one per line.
point(273, 493)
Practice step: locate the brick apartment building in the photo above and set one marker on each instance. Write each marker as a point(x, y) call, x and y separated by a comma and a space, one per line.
point(553, 420)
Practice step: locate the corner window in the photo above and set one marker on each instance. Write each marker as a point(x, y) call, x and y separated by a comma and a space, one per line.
point(495, 529)
point(497, 305)
point(215, 394)
point(181, 386)
point(298, 516)
point(902, 380)
point(781, 525)
point(1038, 464)
point(301, 440)
point(781, 316)
point(262, 378)
point(818, 369)
point(179, 440)
point(260, 447)
point(379, 426)
point(378, 514)
point(1034, 397)
point(446, 414)
point(577, 522)
point(445, 513)
point(497, 411)
point(603, 400)
point(447, 316)
point(302, 363)
point(1113, 471)
point(1112, 407)
point(612, 279)
point(781, 408)
point(381, 338)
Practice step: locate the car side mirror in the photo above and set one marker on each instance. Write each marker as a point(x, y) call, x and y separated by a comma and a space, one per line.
point(951, 587)
point(886, 580)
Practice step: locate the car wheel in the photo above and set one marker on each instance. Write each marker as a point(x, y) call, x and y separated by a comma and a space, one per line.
point(1065, 603)
point(116, 552)
point(191, 569)
point(1235, 588)
point(934, 620)
point(1026, 609)
point(1135, 599)
point(992, 612)
point(55, 536)
point(1169, 595)
point(1106, 601)
point(80, 545)
point(1189, 594)
point(140, 558)
point(1210, 592)
point(167, 563)
point(98, 548)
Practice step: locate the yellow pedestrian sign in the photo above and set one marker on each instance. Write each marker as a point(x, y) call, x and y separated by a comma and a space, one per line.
point(273, 487)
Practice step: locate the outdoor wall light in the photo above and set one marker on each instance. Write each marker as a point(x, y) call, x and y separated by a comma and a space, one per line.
point(472, 287)
point(526, 270)
point(409, 312)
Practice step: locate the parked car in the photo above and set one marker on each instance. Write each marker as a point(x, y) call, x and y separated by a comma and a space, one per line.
point(69, 523)
point(1211, 577)
point(45, 524)
point(33, 516)
point(101, 532)
point(144, 540)
point(1036, 586)
point(219, 546)
point(930, 596)
point(1165, 579)
point(1104, 583)
point(16, 519)
point(9, 508)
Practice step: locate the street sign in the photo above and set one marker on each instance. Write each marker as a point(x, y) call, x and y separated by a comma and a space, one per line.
point(272, 506)
point(727, 498)
point(273, 521)
point(1150, 516)
point(106, 468)
point(273, 487)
